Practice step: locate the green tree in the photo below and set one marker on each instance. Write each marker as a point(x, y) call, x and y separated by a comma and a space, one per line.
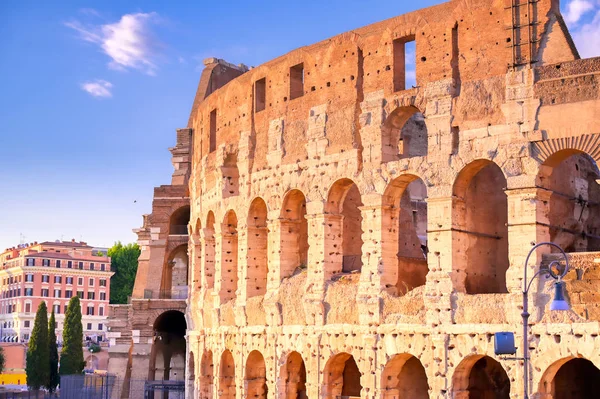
point(71, 356)
point(2, 360)
point(124, 262)
point(38, 353)
point(54, 377)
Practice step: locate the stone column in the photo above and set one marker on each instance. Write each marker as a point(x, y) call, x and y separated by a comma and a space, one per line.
point(276, 252)
point(241, 292)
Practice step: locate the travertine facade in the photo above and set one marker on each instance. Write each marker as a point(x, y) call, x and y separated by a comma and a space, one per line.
point(351, 236)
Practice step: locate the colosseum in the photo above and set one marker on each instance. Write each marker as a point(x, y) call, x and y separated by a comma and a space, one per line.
point(334, 230)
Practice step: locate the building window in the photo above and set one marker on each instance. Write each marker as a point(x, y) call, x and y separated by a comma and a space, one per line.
point(91, 282)
point(90, 310)
point(80, 281)
point(45, 278)
point(57, 293)
point(68, 294)
point(100, 326)
point(91, 266)
point(91, 295)
point(404, 55)
point(58, 279)
point(102, 282)
point(45, 292)
point(101, 311)
point(57, 309)
point(28, 291)
point(26, 323)
point(89, 326)
point(45, 262)
point(70, 264)
point(58, 263)
point(30, 262)
point(260, 94)
point(212, 146)
point(70, 280)
point(80, 265)
point(103, 296)
point(296, 81)
point(80, 294)
point(29, 278)
point(102, 266)
point(28, 307)
point(65, 308)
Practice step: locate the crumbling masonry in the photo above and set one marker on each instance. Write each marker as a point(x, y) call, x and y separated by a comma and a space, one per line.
point(331, 230)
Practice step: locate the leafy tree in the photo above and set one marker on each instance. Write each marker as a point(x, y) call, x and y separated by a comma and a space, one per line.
point(2, 360)
point(71, 356)
point(38, 353)
point(54, 377)
point(124, 262)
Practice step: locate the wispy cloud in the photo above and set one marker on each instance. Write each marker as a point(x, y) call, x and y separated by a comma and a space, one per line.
point(98, 88)
point(129, 42)
point(576, 9)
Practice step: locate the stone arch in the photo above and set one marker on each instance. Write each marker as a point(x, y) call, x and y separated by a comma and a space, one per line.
point(293, 252)
point(209, 251)
point(404, 377)
point(480, 229)
point(229, 257)
point(569, 182)
point(480, 376)
point(178, 222)
point(175, 274)
point(92, 362)
point(256, 255)
point(226, 376)
point(206, 376)
point(292, 377)
point(570, 378)
point(404, 134)
point(255, 378)
point(343, 205)
point(167, 359)
point(191, 376)
point(341, 377)
point(404, 226)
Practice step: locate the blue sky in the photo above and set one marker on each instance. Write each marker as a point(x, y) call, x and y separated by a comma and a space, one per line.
point(92, 92)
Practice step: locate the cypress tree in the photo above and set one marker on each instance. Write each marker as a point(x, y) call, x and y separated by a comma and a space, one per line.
point(54, 377)
point(71, 356)
point(38, 353)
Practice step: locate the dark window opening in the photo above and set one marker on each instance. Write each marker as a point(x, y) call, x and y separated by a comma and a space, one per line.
point(260, 94)
point(296, 81)
point(213, 131)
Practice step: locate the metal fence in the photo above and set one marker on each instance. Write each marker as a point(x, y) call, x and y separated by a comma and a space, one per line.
point(110, 387)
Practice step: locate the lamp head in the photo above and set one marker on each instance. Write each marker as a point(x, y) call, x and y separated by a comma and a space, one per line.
point(559, 302)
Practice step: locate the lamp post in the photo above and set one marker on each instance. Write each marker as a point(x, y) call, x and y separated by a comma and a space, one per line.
point(558, 303)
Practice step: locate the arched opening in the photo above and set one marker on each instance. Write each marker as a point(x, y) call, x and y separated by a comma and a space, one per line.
point(293, 251)
point(191, 376)
point(175, 275)
point(344, 204)
point(229, 257)
point(255, 381)
point(91, 363)
point(179, 221)
point(480, 229)
point(209, 251)
point(404, 245)
point(256, 278)
point(206, 376)
point(342, 377)
point(227, 376)
point(404, 134)
point(167, 361)
point(404, 377)
point(570, 180)
point(480, 377)
point(570, 378)
point(293, 378)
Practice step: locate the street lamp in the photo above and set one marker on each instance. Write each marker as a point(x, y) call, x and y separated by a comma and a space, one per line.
point(504, 343)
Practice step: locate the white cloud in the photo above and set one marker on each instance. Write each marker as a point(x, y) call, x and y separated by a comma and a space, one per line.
point(129, 42)
point(587, 36)
point(576, 9)
point(98, 88)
